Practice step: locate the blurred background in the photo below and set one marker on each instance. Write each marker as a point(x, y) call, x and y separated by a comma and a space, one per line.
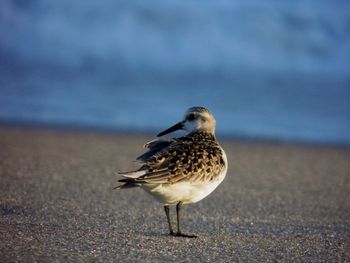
point(266, 69)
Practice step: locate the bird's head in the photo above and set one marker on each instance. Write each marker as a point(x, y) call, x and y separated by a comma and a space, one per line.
point(195, 119)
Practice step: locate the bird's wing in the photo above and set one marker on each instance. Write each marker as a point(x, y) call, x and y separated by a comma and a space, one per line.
point(155, 148)
point(176, 161)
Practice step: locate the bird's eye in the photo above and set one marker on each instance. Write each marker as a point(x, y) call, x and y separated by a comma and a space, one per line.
point(191, 117)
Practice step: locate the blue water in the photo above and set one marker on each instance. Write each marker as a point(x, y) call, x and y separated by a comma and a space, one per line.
point(266, 69)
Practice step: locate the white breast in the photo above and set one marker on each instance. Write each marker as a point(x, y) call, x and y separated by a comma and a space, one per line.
point(185, 192)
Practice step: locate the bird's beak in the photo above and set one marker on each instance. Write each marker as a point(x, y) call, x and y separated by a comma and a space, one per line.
point(177, 126)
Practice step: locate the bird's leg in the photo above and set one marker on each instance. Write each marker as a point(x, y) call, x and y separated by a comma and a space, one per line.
point(166, 208)
point(179, 233)
point(178, 208)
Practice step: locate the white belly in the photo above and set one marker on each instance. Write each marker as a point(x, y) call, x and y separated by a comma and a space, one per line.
point(185, 192)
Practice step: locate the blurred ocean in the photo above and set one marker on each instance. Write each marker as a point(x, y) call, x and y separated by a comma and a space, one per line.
point(266, 69)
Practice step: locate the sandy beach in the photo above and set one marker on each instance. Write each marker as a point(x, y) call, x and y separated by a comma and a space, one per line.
point(279, 202)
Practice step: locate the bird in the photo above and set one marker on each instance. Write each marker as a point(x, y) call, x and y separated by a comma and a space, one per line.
point(181, 170)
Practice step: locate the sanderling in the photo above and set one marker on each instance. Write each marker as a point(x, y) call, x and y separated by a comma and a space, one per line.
point(181, 170)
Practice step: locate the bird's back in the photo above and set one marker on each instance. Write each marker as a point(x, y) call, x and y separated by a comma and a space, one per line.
point(195, 158)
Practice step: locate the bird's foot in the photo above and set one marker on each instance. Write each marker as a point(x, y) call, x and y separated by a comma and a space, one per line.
point(180, 234)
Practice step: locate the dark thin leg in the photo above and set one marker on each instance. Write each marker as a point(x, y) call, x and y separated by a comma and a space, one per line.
point(179, 233)
point(166, 208)
point(178, 208)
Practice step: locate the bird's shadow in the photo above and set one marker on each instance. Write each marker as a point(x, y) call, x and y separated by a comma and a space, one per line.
point(156, 234)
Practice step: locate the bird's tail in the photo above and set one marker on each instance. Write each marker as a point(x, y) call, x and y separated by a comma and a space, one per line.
point(129, 179)
point(126, 185)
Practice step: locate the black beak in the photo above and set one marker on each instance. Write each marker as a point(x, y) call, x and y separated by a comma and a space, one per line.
point(177, 126)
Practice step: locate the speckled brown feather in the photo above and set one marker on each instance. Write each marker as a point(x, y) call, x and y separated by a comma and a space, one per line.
point(195, 158)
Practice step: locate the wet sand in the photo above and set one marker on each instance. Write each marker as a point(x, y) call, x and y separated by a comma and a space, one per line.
point(279, 202)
